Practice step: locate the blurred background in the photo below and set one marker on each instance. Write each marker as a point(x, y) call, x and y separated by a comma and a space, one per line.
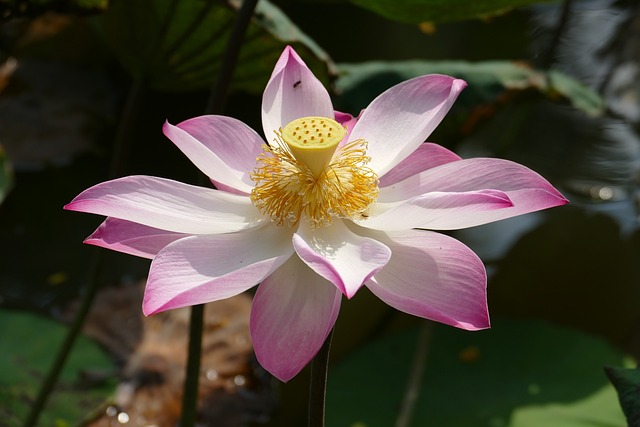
point(85, 87)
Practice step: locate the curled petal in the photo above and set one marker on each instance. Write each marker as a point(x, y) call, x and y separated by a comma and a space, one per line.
point(291, 93)
point(427, 156)
point(433, 276)
point(201, 269)
point(527, 190)
point(131, 238)
point(292, 314)
point(340, 256)
point(168, 205)
point(401, 118)
point(437, 211)
point(224, 148)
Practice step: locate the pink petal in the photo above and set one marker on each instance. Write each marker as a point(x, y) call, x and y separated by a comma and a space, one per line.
point(437, 211)
point(433, 276)
point(292, 314)
point(168, 205)
point(131, 238)
point(225, 149)
point(340, 256)
point(291, 93)
point(527, 190)
point(427, 156)
point(201, 269)
point(401, 118)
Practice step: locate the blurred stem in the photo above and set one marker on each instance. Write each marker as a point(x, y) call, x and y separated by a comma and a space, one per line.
point(123, 132)
point(223, 81)
point(54, 372)
point(214, 105)
point(190, 395)
point(318, 385)
point(416, 372)
point(550, 55)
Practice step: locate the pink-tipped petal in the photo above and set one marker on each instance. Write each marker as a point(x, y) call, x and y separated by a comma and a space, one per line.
point(201, 269)
point(427, 156)
point(169, 205)
point(434, 276)
point(292, 314)
point(224, 148)
point(339, 255)
point(291, 93)
point(131, 238)
point(401, 118)
point(437, 211)
point(527, 190)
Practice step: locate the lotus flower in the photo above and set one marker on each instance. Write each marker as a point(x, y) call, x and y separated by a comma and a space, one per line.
point(330, 204)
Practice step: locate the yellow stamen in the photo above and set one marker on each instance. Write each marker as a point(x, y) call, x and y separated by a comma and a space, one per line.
point(339, 185)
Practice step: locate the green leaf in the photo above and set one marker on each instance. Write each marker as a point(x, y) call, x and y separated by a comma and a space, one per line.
point(178, 45)
point(416, 11)
point(627, 383)
point(513, 375)
point(29, 345)
point(360, 83)
point(6, 174)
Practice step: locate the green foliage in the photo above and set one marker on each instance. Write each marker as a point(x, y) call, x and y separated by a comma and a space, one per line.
point(416, 11)
point(29, 344)
point(178, 45)
point(487, 80)
point(627, 383)
point(517, 374)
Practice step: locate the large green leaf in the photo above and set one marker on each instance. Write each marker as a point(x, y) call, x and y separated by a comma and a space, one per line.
point(360, 83)
point(416, 11)
point(29, 345)
point(517, 374)
point(178, 45)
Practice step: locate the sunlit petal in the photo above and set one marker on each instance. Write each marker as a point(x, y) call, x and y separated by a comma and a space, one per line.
point(200, 269)
point(340, 256)
point(168, 205)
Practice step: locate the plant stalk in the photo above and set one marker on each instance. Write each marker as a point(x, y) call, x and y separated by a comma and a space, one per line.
point(215, 104)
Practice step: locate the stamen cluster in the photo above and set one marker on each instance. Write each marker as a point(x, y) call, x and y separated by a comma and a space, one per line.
point(287, 190)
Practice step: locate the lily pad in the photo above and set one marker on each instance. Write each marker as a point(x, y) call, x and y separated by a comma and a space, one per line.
point(29, 345)
point(520, 373)
point(178, 45)
point(417, 11)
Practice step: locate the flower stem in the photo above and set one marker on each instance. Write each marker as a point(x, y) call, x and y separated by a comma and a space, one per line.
point(223, 81)
point(215, 104)
point(190, 396)
point(134, 98)
point(54, 372)
point(318, 386)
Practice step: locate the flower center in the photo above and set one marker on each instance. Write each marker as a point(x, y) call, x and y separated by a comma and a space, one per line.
point(306, 174)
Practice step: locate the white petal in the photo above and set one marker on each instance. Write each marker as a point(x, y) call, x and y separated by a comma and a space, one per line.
point(169, 205)
point(340, 256)
point(201, 269)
